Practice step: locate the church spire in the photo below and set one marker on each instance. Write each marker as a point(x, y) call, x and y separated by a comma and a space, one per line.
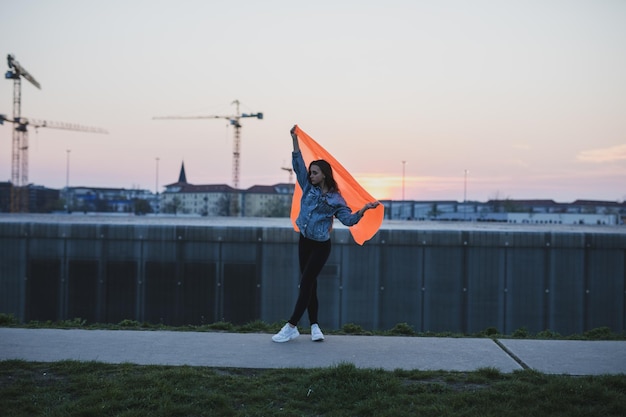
point(182, 177)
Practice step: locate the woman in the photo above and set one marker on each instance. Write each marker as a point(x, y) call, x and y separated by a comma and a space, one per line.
point(321, 202)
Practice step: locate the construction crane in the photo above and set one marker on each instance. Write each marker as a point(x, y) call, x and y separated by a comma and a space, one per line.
point(234, 121)
point(19, 153)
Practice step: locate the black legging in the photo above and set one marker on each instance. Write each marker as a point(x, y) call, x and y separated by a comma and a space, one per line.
point(313, 256)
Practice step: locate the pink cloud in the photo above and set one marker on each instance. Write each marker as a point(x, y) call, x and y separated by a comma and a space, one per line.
point(611, 154)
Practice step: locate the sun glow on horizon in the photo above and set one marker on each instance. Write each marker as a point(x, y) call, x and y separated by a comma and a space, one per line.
point(380, 186)
point(394, 187)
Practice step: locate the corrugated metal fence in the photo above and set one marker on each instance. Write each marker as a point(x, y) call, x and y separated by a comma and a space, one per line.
point(434, 280)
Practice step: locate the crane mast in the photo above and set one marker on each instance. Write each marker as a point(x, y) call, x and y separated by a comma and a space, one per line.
point(19, 148)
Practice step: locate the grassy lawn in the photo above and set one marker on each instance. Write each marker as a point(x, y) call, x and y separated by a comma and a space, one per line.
point(94, 389)
point(73, 388)
point(258, 326)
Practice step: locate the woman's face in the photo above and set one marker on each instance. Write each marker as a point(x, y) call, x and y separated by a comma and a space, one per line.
point(316, 176)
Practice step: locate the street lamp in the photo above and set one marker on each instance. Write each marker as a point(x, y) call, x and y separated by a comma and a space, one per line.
point(465, 188)
point(156, 188)
point(465, 196)
point(68, 196)
point(67, 170)
point(403, 169)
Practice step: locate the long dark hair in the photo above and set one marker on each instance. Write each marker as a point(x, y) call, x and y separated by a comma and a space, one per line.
point(328, 173)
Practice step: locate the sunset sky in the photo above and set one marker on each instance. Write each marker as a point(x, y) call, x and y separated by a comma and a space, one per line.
point(522, 99)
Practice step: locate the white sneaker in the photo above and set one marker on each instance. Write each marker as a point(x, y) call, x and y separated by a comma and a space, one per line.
point(316, 333)
point(286, 334)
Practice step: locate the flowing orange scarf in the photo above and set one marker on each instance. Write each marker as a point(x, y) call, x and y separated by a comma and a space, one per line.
point(356, 197)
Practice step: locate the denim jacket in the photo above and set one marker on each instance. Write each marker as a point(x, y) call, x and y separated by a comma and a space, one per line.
point(317, 210)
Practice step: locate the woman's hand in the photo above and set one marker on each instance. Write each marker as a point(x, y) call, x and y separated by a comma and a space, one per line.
point(296, 145)
point(368, 206)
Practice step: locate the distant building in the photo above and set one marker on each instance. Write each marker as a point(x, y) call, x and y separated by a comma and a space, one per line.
point(224, 200)
point(40, 198)
point(268, 200)
point(510, 211)
point(563, 218)
point(111, 200)
point(203, 200)
point(5, 197)
point(182, 197)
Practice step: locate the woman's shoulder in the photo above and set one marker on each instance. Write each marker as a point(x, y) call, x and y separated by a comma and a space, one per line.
point(335, 198)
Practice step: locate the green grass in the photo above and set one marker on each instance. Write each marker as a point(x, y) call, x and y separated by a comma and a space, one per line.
point(258, 326)
point(72, 388)
point(95, 389)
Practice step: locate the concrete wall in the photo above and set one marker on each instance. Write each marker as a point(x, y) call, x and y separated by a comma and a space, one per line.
point(435, 277)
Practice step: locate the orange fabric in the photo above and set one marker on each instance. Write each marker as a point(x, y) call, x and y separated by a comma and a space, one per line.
point(356, 197)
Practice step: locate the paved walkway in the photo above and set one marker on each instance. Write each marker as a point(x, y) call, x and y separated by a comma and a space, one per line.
point(258, 351)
